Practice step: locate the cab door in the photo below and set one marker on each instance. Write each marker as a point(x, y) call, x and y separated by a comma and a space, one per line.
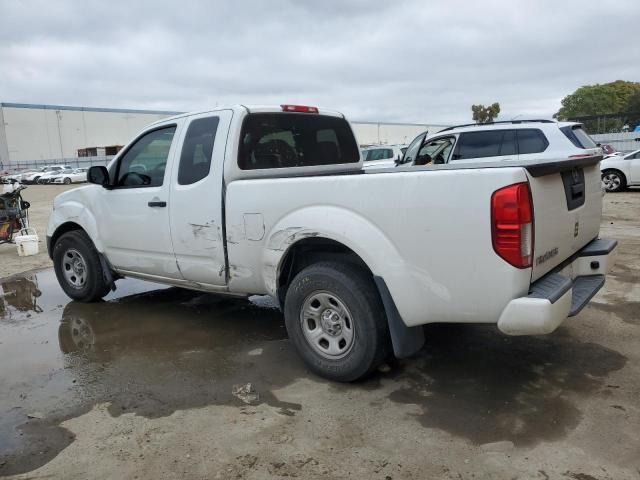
point(133, 215)
point(196, 210)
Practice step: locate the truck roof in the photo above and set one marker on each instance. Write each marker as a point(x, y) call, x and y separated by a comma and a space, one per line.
point(247, 109)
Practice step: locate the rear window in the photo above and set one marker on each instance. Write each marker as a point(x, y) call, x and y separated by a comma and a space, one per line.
point(285, 140)
point(578, 136)
point(377, 154)
point(531, 140)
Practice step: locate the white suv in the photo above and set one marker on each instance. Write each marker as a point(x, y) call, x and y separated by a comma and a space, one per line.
point(382, 156)
point(516, 140)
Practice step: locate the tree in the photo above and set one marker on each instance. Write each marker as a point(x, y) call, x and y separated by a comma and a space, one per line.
point(482, 114)
point(633, 111)
point(598, 99)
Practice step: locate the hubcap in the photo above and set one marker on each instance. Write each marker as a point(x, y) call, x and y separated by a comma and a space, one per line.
point(327, 325)
point(74, 268)
point(611, 181)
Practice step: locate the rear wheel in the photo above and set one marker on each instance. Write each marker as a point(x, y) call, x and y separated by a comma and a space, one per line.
point(78, 269)
point(613, 180)
point(335, 320)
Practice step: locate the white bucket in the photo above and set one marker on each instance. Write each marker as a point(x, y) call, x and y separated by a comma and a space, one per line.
point(27, 242)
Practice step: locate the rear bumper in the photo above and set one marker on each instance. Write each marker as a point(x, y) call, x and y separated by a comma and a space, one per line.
point(560, 294)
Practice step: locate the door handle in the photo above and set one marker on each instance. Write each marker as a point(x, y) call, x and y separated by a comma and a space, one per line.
point(157, 204)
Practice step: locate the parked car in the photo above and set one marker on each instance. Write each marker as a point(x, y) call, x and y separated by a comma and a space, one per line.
point(620, 172)
point(607, 150)
point(78, 175)
point(268, 200)
point(16, 176)
point(383, 156)
point(35, 176)
point(510, 141)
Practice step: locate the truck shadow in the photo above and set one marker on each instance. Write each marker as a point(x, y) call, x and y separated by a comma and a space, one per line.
point(473, 382)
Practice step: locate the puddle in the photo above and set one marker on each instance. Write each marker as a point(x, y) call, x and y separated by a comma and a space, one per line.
point(148, 350)
point(477, 384)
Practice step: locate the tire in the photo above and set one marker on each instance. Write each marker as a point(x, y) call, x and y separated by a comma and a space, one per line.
point(339, 306)
point(78, 268)
point(614, 180)
point(67, 181)
point(35, 180)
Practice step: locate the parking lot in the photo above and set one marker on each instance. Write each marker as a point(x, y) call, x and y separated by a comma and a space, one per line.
point(154, 382)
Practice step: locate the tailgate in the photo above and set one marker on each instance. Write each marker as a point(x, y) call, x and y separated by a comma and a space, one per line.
point(567, 206)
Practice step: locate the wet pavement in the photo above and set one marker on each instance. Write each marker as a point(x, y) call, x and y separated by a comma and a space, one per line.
point(473, 402)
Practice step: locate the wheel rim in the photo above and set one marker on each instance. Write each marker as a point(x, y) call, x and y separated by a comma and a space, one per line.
point(74, 268)
point(327, 325)
point(611, 181)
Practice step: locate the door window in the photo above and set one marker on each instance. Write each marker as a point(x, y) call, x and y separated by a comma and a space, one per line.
point(143, 165)
point(197, 149)
point(487, 143)
point(412, 150)
point(435, 151)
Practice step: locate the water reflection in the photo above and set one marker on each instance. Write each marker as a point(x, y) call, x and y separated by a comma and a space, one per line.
point(19, 294)
point(166, 322)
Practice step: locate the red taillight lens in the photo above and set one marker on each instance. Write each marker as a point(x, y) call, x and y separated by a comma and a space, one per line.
point(512, 224)
point(299, 109)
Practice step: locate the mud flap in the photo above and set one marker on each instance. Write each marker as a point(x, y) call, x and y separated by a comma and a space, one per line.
point(107, 272)
point(405, 340)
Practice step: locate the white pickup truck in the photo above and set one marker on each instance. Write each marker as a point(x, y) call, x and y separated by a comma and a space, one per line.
point(274, 200)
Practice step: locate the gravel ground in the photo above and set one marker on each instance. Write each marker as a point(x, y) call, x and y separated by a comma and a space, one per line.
point(164, 383)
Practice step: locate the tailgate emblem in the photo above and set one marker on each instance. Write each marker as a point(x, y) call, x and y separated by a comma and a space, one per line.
point(576, 229)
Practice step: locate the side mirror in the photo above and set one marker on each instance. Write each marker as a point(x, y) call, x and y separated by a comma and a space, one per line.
point(99, 175)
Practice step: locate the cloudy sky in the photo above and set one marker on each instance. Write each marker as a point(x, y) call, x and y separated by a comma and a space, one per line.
point(413, 61)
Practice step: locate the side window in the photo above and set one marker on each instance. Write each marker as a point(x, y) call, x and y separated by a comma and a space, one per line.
point(143, 165)
point(478, 144)
point(195, 159)
point(509, 146)
point(412, 150)
point(531, 140)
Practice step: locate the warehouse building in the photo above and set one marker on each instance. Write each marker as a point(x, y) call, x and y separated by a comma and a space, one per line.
point(39, 134)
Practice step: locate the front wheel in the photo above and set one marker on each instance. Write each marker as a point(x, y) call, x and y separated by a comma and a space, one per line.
point(613, 181)
point(335, 320)
point(78, 269)
point(67, 181)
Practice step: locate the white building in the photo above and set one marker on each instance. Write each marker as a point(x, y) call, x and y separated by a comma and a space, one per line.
point(50, 133)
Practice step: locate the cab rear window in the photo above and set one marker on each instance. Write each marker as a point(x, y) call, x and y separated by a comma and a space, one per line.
point(285, 140)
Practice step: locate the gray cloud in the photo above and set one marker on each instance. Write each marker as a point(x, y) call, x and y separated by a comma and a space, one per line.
point(401, 61)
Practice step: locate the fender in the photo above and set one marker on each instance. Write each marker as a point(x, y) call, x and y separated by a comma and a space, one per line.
point(356, 233)
point(74, 211)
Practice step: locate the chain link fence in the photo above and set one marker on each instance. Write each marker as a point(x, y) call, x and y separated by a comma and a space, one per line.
point(74, 162)
point(621, 122)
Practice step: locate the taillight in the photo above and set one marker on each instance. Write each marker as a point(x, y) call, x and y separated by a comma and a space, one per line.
point(299, 109)
point(512, 224)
